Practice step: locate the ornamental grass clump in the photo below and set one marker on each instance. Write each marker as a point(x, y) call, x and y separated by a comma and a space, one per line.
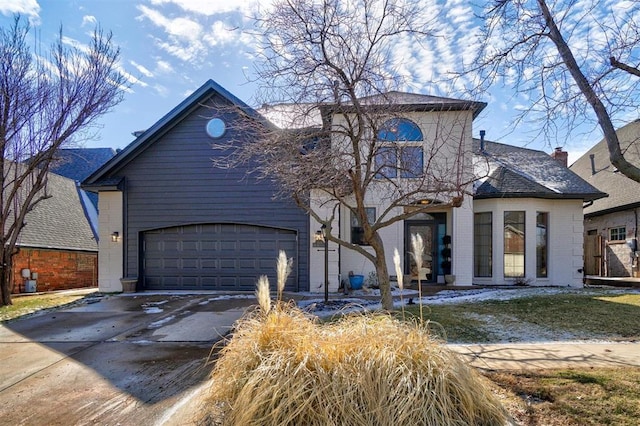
point(283, 367)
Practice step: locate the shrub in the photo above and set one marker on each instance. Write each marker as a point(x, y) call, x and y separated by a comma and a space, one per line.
point(283, 367)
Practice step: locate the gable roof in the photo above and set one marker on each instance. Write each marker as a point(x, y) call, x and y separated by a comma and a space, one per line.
point(624, 193)
point(515, 172)
point(60, 221)
point(146, 138)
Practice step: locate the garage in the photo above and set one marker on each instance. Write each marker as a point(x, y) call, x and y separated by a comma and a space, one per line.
point(215, 256)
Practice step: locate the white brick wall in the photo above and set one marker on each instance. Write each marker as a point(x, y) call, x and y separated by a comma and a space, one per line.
point(565, 240)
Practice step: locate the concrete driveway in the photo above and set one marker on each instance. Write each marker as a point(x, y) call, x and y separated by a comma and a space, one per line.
point(101, 361)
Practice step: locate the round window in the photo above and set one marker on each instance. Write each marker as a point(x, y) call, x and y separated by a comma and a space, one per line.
point(215, 128)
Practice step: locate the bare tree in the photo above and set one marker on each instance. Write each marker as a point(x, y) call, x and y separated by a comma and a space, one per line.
point(576, 60)
point(45, 103)
point(329, 64)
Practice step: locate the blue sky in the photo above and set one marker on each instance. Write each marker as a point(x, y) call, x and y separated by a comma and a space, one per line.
point(170, 47)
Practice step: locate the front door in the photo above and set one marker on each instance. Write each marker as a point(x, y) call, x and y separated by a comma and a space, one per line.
point(429, 270)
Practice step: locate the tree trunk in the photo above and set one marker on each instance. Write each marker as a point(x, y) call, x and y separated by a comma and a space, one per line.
point(604, 120)
point(5, 280)
point(383, 273)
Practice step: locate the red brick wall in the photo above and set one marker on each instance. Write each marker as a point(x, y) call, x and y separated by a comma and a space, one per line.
point(57, 269)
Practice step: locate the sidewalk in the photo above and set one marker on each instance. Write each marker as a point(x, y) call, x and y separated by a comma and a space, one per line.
point(530, 356)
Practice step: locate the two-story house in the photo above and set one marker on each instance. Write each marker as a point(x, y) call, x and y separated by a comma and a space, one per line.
point(171, 220)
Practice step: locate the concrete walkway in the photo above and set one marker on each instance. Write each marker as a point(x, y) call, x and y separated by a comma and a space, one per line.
point(530, 356)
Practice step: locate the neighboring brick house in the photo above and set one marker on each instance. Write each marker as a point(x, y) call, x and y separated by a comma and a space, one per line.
point(611, 224)
point(57, 242)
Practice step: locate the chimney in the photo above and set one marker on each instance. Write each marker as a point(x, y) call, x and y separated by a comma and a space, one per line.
point(482, 133)
point(592, 157)
point(560, 156)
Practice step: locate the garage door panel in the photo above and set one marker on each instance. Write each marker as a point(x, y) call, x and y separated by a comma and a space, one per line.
point(214, 256)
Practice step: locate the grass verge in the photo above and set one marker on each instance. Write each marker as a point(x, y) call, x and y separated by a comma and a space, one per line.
point(25, 305)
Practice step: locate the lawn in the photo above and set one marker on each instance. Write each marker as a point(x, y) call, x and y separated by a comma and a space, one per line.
point(581, 396)
point(551, 317)
point(567, 397)
point(25, 305)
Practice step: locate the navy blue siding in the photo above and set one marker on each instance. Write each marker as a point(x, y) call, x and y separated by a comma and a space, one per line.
point(173, 182)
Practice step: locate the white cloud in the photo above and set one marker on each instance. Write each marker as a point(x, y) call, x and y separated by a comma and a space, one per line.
point(181, 28)
point(89, 20)
point(185, 37)
point(219, 33)
point(30, 8)
point(164, 67)
point(141, 69)
point(212, 7)
point(161, 90)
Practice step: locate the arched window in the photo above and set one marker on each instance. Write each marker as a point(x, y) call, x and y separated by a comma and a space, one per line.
point(405, 159)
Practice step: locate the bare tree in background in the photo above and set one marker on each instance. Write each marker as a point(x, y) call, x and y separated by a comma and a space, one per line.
point(329, 65)
point(45, 103)
point(576, 60)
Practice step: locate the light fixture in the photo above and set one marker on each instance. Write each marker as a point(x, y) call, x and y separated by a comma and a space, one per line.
point(318, 239)
point(115, 236)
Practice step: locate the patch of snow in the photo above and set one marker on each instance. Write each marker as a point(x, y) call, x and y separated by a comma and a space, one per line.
point(368, 300)
point(160, 323)
point(227, 297)
point(142, 342)
point(152, 310)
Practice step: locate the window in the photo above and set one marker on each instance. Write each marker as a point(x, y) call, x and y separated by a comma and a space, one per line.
point(357, 233)
point(618, 234)
point(482, 244)
point(542, 243)
point(407, 157)
point(514, 238)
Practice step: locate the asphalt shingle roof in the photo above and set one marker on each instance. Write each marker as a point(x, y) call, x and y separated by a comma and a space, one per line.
point(623, 192)
point(78, 163)
point(59, 222)
point(523, 172)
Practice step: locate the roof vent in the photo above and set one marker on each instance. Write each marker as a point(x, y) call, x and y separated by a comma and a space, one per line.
point(592, 157)
point(482, 133)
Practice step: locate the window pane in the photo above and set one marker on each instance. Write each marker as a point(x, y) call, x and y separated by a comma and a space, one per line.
point(542, 239)
point(618, 234)
point(411, 162)
point(386, 162)
point(400, 129)
point(482, 244)
point(514, 239)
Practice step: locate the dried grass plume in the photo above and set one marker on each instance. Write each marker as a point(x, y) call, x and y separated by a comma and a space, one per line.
point(285, 368)
point(283, 270)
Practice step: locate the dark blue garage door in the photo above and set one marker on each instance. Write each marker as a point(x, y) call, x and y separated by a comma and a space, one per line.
point(215, 256)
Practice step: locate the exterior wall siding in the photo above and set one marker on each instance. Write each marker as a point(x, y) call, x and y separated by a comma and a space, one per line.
point(316, 252)
point(462, 242)
point(110, 252)
point(56, 269)
point(618, 257)
point(174, 182)
point(565, 241)
point(456, 127)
